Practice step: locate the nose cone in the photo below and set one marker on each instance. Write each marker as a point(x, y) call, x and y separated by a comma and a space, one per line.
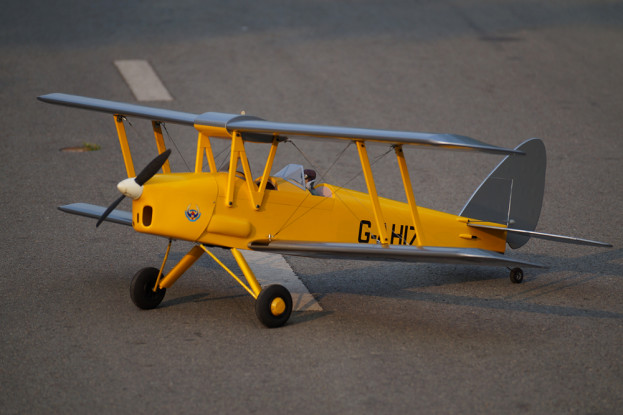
point(130, 188)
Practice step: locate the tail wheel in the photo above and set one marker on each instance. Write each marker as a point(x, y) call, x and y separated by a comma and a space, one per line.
point(516, 275)
point(274, 306)
point(142, 289)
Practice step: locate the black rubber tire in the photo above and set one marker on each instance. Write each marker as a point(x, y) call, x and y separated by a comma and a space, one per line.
point(516, 275)
point(142, 289)
point(264, 302)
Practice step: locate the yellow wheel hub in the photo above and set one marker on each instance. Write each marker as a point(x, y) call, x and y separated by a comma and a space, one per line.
point(277, 306)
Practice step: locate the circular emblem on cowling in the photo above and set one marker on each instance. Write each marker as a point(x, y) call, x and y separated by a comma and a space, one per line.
point(192, 214)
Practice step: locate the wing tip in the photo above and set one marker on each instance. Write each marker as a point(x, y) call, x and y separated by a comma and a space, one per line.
point(120, 217)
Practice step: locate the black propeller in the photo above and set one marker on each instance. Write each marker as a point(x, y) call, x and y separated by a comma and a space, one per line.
point(152, 168)
point(147, 173)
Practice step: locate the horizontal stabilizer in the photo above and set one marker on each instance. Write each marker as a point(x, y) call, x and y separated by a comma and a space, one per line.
point(121, 217)
point(547, 236)
point(432, 254)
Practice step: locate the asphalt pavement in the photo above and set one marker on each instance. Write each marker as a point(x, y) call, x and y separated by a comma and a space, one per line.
point(391, 337)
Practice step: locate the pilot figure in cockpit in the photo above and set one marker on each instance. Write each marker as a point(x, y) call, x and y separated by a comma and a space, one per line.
point(310, 179)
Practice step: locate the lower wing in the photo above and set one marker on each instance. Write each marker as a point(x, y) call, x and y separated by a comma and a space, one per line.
point(93, 211)
point(432, 254)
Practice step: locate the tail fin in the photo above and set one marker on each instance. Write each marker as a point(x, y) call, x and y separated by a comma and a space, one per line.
point(512, 194)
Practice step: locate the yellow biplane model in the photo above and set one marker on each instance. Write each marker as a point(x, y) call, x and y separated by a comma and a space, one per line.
point(290, 212)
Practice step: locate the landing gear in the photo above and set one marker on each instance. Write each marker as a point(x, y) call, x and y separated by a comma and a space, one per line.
point(516, 275)
point(142, 289)
point(273, 306)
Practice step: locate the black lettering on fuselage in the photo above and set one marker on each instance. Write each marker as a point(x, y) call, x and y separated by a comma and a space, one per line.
point(396, 235)
point(399, 233)
point(414, 235)
point(364, 237)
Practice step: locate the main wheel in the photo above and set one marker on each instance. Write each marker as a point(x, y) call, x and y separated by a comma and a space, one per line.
point(274, 306)
point(516, 275)
point(142, 289)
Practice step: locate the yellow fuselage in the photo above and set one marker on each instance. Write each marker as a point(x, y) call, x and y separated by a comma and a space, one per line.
point(194, 207)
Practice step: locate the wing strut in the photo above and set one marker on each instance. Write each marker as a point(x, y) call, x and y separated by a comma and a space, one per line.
point(204, 146)
point(166, 167)
point(374, 197)
point(125, 148)
point(238, 153)
point(406, 182)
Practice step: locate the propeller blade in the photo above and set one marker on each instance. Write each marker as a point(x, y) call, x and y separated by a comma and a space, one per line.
point(152, 168)
point(147, 173)
point(108, 210)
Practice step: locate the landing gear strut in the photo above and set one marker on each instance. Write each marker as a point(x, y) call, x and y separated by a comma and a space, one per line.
point(273, 304)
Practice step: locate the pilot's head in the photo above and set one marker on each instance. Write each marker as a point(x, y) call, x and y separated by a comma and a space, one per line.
point(310, 175)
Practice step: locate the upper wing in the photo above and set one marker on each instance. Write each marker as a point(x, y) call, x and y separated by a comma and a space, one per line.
point(432, 254)
point(120, 108)
point(257, 129)
point(450, 141)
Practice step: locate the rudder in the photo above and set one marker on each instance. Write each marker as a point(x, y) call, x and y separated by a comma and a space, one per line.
point(513, 192)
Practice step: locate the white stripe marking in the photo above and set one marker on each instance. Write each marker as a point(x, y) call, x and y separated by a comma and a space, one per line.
point(273, 269)
point(142, 80)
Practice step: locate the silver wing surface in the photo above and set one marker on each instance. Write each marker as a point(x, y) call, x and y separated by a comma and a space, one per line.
point(121, 217)
point(120, 108)
point(431, 254)
point(257, 129)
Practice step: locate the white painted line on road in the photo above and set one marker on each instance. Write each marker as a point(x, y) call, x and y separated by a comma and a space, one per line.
point(142, 80)
point(273, 269)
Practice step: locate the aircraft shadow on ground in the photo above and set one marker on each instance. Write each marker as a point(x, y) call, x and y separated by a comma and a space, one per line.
point(583, 269)
point(297, 317)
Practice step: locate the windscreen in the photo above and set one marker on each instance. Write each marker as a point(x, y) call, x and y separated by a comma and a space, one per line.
point(293, 173)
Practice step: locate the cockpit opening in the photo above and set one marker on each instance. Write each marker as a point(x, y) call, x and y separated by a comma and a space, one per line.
point(304, 179)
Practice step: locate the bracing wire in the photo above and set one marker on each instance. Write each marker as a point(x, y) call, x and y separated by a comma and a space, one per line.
point(225, 159)
point(144, 139)
point(372, 163)
point(287, 222)
point(323, 176)
point(175, 145)
point(338, 157)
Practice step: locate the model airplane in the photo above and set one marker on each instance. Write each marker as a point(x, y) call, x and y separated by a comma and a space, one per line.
point(290, 213)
